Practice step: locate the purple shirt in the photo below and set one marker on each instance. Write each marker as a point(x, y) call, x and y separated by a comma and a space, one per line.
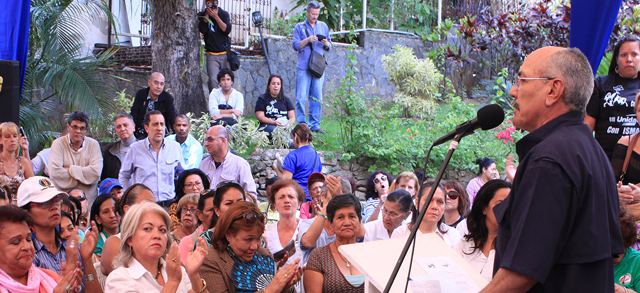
point(299, 34)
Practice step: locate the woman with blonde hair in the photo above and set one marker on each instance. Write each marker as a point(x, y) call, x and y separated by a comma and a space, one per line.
point(13, 168)
point(141, 266)
point(408, 181)
point(187, 207)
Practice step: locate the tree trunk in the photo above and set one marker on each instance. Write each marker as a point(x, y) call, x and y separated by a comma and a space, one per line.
point(175, 46)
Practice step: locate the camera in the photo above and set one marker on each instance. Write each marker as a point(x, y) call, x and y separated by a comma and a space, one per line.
point(213, 5)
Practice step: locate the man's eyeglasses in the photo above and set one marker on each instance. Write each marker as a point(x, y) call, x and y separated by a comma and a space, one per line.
point(453, 195)
point(79, 128)
point(251, 219)
point(518, 79)
point(189, 211)
point(211, 139)
point(381, 178)
point(57, 200)
point(191, 185)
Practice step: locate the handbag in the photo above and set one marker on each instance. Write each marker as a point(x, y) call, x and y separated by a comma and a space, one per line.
point(627, 158)
point(317, 63)
point(232, 57)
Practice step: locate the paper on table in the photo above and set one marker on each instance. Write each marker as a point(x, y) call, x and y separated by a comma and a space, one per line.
point(451, 277)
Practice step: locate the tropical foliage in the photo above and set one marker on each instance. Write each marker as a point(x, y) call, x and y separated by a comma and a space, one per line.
point(57, 72)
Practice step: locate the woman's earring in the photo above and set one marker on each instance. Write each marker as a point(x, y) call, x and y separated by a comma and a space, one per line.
point(616, 69)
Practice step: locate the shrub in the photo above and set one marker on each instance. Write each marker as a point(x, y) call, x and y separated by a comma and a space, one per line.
point(415, 79)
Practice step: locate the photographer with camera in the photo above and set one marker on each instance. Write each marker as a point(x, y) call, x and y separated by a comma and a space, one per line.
point(215, 26)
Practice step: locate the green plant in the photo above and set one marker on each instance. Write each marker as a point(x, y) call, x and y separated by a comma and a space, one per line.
point(603, 68)
point(281, 24)
point(55, 68)
point(415, 79)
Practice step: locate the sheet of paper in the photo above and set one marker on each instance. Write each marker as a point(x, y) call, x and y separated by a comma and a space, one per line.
point(449, 275)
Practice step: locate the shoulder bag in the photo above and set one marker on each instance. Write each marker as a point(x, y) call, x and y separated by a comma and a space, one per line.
point(232, 57)
point(317, 63)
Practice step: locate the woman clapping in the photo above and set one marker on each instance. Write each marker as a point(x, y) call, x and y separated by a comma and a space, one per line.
point(140, 264)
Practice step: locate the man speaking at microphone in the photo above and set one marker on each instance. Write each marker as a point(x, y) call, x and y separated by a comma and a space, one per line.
point(558, 228)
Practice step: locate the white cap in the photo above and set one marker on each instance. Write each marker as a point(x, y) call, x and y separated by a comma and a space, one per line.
point(36, 189)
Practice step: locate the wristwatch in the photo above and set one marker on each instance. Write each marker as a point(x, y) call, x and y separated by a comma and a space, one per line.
point(88, 278)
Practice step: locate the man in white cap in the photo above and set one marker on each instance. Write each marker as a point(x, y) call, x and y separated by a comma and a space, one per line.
point(38, 196)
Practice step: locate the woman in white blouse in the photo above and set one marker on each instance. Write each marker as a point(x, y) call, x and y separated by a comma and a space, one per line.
point(140, 266)
point(287, 197)
point(433, 221)
point(396, 209)
point(226, 104)
point(477, 247)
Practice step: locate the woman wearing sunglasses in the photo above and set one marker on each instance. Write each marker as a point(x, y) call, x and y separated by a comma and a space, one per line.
point(141, 264)
point(375, 194)
point(226, 194)
point(237, 262)
point(396, 209)
point(477, 247)
point(457, 203)
point(433, 221)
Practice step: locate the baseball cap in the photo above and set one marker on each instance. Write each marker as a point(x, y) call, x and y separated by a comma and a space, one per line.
point(37, 189)
point(316, 176)
point(107, 185)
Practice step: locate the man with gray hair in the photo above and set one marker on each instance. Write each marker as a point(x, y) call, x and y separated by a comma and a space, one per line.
point(153, 98)
point(558, 228)
point(309, 35)
point(114, 154)
point(222, 165)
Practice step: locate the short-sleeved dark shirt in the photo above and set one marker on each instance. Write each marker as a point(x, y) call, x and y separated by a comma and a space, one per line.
point(273, 109)
point(612, 104)
point(559, 225)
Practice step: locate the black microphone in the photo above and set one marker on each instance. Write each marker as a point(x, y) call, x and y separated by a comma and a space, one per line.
point(488, 117)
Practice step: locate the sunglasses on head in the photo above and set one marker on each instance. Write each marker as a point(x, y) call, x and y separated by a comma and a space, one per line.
point(251, 219)
point(381, 178)
point(453, 194)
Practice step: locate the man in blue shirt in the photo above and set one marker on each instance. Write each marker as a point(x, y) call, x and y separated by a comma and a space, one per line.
point(192, 151)
point(154, 161)
point(308, 86)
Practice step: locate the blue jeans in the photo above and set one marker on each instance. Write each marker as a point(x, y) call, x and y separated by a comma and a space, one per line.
point(308, 87)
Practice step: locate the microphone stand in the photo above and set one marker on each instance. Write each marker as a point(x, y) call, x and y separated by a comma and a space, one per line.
point(452, 147)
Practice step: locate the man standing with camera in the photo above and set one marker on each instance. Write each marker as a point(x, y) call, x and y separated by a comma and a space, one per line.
point(310, 37)
point(215, 26)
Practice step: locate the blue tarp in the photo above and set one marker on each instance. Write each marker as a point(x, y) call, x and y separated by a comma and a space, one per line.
point(592, 22)
point(14, 32)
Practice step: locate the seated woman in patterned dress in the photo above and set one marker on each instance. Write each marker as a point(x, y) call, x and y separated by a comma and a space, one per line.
point(328, 270)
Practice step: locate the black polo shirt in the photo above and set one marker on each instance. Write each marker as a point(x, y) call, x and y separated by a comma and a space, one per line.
point(559, 225)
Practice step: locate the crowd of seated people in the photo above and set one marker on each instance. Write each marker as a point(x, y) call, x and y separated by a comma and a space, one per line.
point(161, 213)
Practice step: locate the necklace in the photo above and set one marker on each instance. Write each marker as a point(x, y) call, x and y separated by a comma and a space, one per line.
point(342, 257)
point(159, 270)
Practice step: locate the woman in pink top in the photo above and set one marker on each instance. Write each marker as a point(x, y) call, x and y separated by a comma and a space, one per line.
point(310, 209)
point(487, 171)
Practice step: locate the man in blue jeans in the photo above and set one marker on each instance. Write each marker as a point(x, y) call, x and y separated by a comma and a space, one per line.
point(308, 86)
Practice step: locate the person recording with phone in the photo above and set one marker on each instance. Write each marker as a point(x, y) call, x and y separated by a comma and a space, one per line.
point(215, 25)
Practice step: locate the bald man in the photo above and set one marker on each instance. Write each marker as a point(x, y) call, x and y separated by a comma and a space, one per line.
point(153, 98)
point(222, 165)
point(558, 229)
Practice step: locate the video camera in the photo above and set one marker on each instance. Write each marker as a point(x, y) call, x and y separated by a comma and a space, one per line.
point(210, 4)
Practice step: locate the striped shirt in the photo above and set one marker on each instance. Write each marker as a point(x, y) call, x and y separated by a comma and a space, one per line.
point(46, 260)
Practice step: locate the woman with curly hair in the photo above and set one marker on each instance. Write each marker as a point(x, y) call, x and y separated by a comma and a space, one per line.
point(375, 194)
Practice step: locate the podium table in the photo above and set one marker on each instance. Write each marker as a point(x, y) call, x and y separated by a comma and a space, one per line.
point(377, 259)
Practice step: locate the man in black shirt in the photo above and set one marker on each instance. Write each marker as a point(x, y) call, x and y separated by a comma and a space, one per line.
point(152, 98)
point(558, 229)
point(215, 26)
